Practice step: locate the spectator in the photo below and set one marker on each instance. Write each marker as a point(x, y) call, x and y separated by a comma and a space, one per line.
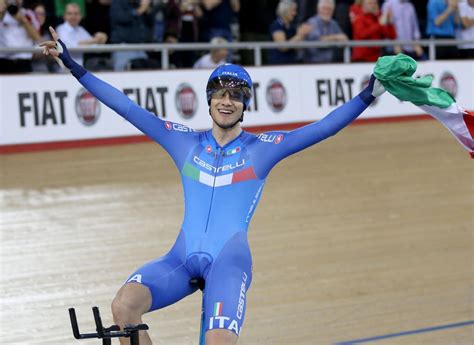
point(190, 13)
point(41, 15)
point(173, 56)
point(466, 12)
point(40, 62)
point(371, 25)
point(44, 16)
point(60, 7)
point(131, 21)
point(217, 17)
point(354, 11)
point(443, 17)
point(217, 56)
point(18, 28)
point(183, 18)
point(325, 29)
point(73, 34)
point(51, 19)
point(283, 30)
point(158, 9)
point(406, 26)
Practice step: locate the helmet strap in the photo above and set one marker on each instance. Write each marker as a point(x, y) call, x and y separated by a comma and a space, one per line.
point(243, 112)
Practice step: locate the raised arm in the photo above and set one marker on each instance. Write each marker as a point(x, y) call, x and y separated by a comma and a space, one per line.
point(270, 152)
point(169, 135)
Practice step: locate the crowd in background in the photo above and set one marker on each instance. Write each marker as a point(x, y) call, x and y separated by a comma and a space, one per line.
point(84, 22)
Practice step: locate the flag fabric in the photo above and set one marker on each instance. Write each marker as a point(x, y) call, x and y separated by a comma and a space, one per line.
point(396, 75)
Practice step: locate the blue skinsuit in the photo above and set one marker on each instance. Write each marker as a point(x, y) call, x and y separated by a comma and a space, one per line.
point(222, 187)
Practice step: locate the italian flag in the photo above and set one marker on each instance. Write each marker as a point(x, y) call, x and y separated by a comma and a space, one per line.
point(457, 120)
point(396, 75)
point(218, 309)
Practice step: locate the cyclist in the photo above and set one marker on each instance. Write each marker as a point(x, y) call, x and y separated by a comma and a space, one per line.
point(223, 171)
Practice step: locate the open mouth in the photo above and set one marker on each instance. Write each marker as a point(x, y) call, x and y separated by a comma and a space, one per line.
point(225, 112)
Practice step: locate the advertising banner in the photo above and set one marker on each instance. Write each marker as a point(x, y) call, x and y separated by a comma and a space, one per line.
point(55, 107)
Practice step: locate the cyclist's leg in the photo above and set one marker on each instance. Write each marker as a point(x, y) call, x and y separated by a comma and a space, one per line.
point(155, 285)
point(131, 302)
point(221, 337)
point(225, 293)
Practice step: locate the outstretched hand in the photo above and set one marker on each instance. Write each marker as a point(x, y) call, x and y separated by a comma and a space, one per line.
point(53, 48)
point(373, 89)
point(57, 49)
point(378, 88)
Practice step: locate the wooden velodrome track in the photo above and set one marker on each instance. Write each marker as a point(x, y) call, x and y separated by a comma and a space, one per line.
point(367, 234)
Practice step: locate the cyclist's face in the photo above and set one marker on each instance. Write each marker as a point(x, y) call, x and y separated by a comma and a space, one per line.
point(227, 107)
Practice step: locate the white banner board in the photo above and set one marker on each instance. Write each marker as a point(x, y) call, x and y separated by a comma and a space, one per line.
point(49, 108)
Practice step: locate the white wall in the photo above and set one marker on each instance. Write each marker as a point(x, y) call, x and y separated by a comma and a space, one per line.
point(48, 108)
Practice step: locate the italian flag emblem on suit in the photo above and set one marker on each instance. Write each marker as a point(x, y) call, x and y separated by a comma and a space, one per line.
point(218, 309)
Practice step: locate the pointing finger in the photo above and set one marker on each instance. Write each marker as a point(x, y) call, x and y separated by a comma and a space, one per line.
point(53, 33)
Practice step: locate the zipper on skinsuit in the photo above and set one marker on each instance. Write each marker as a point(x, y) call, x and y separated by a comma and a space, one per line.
point(217, 161)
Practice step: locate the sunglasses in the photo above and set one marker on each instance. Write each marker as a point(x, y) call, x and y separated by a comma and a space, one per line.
point(235, 94)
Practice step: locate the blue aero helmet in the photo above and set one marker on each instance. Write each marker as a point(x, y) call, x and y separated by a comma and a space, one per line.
point(230, 76)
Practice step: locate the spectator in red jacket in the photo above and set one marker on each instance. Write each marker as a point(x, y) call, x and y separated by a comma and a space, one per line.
point(371, 25)
point(355, 10)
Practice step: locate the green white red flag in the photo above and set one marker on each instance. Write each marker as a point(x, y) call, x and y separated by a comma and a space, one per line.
point(396, 75)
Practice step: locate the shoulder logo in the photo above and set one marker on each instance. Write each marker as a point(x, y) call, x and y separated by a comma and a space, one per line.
point(177, 127)
point(271, 138)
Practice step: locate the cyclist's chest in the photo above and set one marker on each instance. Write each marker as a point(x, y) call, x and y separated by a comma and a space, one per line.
point(218, 166)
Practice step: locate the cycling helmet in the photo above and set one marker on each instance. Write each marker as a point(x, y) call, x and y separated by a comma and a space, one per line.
point(230, 76)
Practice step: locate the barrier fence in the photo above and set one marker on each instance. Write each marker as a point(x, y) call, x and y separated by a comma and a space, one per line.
point(257, 47)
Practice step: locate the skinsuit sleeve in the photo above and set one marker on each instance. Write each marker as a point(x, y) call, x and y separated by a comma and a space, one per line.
point(288, 143)
point(172, 137)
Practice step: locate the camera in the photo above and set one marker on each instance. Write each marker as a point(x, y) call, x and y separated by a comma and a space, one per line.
point(12, 7)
